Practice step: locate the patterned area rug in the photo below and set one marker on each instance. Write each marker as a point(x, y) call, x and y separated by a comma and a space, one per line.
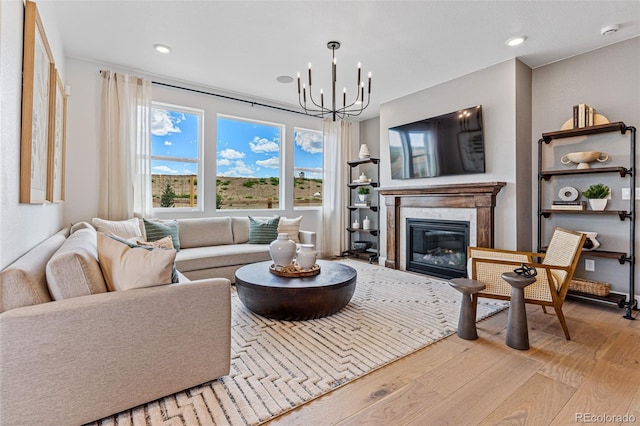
point(279, 365)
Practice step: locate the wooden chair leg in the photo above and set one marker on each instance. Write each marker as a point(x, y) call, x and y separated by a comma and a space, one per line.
point(563, 322)
point(544, 309)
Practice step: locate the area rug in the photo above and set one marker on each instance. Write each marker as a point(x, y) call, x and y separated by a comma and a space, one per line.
point(279, 365)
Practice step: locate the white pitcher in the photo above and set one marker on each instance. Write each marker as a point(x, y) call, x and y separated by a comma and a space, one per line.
point(306, 256)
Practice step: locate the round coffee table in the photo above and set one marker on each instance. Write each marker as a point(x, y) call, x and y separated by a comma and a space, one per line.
point(296, 299)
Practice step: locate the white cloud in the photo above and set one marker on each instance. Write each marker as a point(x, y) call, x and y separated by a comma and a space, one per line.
point(263, 145)
point(240, 170)
point(272, 163)
point(224, 162)
point(164, 169)
point(168, 143)
point(162, 123)
point(308, 170)
point(310, 142)
point(231, 154)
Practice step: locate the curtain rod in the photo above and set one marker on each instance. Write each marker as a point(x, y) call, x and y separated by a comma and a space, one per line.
point(253, 103)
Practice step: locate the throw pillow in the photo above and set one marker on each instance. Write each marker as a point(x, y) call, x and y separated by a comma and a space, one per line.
point(126, 268)
point(263, 231)
point(122, 228)
point(163, 243)
point(291, 227)
point(158, 230)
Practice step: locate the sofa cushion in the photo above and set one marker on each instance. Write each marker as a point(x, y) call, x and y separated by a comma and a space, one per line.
point(126, 268)
point(73, 270)
point(203, 232)
point(80, 225)
point(291, 227)
point(198, 258)
point(24, 282)
point(240, 229)
point(263, 231)
point(122, 228)
point(158, 230)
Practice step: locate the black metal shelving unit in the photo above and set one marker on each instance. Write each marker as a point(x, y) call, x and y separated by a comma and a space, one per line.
point(371, 209)
point(623, 215)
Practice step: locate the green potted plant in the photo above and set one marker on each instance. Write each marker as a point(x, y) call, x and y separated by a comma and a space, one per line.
point(597, 195)
point(363, 191)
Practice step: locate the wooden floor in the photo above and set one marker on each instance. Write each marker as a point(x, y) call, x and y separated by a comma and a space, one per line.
point(484, 382)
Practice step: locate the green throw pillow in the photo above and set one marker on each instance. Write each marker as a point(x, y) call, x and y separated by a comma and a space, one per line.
point(158, 230)
point(263, 231)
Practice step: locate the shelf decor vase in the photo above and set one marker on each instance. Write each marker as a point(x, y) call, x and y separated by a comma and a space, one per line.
point(364, 153)
point(362, 197)
point(598, 204)
point(282, 250)
point(306, 256)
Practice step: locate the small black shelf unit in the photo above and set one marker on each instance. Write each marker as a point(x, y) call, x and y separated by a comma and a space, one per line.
point(623, 215)
point(371, 166)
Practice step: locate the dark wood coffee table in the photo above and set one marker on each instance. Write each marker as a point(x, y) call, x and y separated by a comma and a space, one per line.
point(296, 299)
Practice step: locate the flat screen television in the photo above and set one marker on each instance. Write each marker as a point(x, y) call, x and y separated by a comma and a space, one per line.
point(450, 144)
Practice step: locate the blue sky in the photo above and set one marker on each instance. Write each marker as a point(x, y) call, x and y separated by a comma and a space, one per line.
point(174, 134)
point(244, 148)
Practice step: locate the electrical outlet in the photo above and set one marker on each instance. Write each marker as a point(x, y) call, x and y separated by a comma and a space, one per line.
point(589, 265)
point(626, 193)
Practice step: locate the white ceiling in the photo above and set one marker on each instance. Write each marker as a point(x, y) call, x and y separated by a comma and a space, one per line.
point(242, 46)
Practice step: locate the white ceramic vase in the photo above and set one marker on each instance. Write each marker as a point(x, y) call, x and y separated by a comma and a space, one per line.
point(597, 203)
point(282, 250)
point(362, 197)
point(306, 256)
point(364, 153)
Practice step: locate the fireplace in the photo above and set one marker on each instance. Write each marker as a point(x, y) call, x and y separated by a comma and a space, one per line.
point(437, 247)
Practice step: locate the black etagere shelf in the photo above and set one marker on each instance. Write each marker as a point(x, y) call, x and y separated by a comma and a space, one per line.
point(626, 171)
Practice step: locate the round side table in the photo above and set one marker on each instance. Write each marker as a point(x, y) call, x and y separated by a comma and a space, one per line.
point(467, 320)
point(517, 329)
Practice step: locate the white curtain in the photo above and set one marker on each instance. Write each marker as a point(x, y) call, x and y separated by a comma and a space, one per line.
point(125, 146)
point(335, 195)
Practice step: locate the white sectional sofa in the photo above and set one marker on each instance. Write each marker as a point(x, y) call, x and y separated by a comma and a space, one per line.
point(218, 246)
point(72, 352)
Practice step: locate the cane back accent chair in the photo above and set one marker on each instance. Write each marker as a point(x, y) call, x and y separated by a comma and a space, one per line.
point(555, 271)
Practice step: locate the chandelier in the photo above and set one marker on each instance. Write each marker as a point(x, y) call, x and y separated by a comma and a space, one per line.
point(316, 107)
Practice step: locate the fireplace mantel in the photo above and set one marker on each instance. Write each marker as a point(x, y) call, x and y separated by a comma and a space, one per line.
point(480, 196)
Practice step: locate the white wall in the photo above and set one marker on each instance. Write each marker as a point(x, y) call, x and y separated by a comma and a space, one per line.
point(609, 80)
point(22, 226)
point(83, 152)
point(495, 89)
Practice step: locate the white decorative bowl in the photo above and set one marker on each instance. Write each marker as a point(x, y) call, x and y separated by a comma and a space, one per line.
point(584, 158)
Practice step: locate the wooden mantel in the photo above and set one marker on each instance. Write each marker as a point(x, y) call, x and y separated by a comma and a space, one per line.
point(480, 196)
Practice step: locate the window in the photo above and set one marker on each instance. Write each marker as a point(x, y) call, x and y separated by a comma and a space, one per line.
point(176, 156)
point(307, 168)
point(248, 164)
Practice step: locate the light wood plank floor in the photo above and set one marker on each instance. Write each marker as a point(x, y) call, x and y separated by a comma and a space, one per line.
point(484, 382)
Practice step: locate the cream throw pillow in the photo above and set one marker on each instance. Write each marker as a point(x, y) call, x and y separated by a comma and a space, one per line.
point(126, 268)
point(122, 228)
point(291, 227)
point(163, 243)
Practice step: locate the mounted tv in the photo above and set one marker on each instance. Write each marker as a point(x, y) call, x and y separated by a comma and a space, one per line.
point(450, 144)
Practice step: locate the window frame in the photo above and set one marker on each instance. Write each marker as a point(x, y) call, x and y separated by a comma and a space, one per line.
point(200, 113)
point(281, 156)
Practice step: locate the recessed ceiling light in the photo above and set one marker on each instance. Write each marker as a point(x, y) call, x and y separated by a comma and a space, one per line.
point(516, 40)
point(162, 48)
point(609, 29)
point(284, 79)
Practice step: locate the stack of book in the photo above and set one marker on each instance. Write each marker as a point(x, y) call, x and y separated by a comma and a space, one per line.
point(583, 116)
point(361, 204)
point(569, 205)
